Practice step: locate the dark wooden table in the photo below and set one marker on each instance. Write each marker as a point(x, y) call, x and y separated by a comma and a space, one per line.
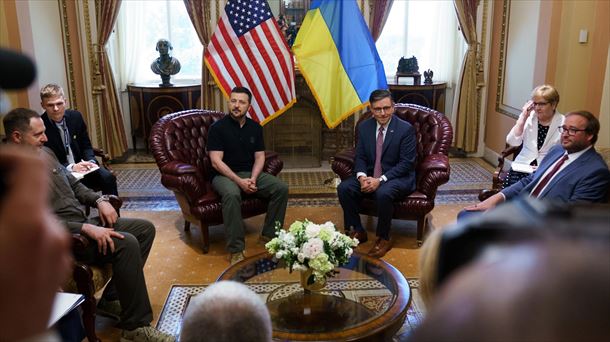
point(427, 95)
point(335, 313)
point(148, 102)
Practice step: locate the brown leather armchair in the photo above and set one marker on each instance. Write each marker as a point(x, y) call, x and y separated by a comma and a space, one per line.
point(500, 174)
point(89, 279)
point(434, 135)
point(178, 143)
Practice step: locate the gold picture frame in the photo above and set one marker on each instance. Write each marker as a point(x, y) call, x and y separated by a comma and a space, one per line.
point(501, 107)
point(519, 51)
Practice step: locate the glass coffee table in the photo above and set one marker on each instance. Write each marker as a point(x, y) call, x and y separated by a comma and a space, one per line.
point(367, 299)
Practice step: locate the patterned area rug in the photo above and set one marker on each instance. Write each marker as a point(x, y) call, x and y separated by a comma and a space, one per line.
point(365, 292)
point(141, 187)
point(135, 157)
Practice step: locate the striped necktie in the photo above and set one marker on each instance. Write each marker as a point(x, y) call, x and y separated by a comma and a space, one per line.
point(538, 188)
point(378, 150)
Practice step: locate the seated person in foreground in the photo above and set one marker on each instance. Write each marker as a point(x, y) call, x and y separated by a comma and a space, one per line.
point(123, 242)
point(571, 172)
point(555, 290)
point(535, 130)
point(35, 258)
point(226, 311)
point(385, 170)
point(68, 138)
point(237, 153)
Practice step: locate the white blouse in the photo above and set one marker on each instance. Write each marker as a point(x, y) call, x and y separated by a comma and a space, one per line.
point(529, 139)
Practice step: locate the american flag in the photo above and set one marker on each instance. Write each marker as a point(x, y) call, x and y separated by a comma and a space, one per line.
point(247, 49)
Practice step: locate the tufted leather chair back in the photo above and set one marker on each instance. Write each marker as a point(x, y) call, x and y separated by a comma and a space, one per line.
point(183, 136)
point(433, 129)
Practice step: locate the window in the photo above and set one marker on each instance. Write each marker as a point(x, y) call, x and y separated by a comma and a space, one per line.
point(427, 30)
point(139, 26)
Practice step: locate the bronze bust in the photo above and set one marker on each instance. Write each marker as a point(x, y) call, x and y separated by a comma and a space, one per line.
point(165, 65)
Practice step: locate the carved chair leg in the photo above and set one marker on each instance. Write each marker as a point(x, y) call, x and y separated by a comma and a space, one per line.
point(187, 226)
point(422, 227)
point(84, 284)
point(205, 234)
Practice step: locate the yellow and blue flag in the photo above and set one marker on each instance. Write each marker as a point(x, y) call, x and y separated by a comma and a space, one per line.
point(338, 58)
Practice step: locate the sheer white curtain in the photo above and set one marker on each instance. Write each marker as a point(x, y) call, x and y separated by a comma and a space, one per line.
point(427, 30)
point(139, 26)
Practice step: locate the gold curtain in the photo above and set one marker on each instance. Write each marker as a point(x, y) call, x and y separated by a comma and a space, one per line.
point(199, 12)
point(467, 121)
point(115, 141)
point(380, 9)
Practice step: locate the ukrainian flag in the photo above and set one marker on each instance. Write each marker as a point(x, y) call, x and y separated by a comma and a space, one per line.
point(337, 57)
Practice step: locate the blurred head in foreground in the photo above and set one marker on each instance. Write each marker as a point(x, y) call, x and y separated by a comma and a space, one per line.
point(428, 261)
point(535, 291)
point(226, 311)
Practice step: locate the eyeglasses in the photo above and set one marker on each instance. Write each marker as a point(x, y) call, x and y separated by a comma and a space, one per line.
point(569, 130)
point(540, 104)
point(380, 110)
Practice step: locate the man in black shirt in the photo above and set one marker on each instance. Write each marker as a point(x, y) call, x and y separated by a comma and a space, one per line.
point(237, 151)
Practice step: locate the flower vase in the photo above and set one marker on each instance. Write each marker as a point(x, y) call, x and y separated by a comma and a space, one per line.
point(308, 283)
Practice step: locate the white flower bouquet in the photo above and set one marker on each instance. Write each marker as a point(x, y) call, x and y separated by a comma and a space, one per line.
point(306, 245)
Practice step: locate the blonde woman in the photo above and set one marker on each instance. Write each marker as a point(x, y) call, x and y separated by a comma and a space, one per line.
point(536, 130)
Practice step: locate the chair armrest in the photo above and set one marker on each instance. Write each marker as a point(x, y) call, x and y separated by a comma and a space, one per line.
point(116, 202)
point(183, 178)
point(343, 163)
point(496, 179)
point(176, 168)
point(514, 150)
point(273, 163)
point(98, 152)
point(79, 243)
point(487, 193)
point(432, 172)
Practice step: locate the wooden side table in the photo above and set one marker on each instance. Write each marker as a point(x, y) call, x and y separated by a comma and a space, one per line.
point(148, 102)
point(428, 95)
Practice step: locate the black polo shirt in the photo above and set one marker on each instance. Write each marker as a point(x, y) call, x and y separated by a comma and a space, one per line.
point(237, 143)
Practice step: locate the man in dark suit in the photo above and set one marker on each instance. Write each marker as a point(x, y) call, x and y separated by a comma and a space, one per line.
point(123, 242)
point(385, 170)
point(571, 172)
point(69, 140)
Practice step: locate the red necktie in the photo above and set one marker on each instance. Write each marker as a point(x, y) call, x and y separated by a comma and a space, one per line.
point(378, 149)
point(548, 176)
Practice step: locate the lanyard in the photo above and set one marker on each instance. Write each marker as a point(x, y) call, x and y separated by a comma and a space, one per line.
point(66, 135)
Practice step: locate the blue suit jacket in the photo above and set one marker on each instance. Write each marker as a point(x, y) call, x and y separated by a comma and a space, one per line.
point(398, 154)
point(79, 138)
point(584, 180)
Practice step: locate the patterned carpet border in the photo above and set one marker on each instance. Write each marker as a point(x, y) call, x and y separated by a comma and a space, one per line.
point(141, 188)
point(364, 291)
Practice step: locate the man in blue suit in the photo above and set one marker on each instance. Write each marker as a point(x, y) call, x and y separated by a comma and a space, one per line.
point(571, 172)
point(69, 140)
point(384, 167)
